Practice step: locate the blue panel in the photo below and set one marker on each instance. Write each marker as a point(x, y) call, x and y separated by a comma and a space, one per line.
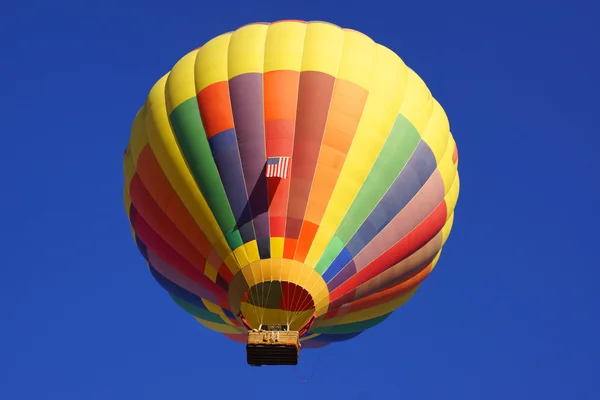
point(141, 247)
point(225, 152)
point(345, 274)
point(228, 314)
point(264, 247)
point(336, 266)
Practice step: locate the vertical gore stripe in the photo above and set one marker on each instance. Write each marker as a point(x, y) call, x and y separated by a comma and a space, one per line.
point(189, 132)
point(246, 93)
point(314, 98)
point(225, 152)
point(280, 98)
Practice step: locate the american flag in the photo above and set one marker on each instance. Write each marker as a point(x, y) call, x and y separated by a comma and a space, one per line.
point(278, 167)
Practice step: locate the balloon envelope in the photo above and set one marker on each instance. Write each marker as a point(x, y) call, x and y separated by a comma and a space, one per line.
point(291, 170)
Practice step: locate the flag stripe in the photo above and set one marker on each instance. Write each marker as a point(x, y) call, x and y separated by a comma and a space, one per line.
point(277, 167)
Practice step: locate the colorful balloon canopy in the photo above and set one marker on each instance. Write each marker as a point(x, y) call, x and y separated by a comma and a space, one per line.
point(291, 172)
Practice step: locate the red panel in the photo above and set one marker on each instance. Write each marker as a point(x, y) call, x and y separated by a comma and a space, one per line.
point(289, 248)
point(238, 337)
point(162, 249)
point(162, 193)
point(225, 273)
point(295, 298)
point(215, 108)
point(162, 225)
point(277, 226)
point(307, 234)
point(455, 155)
point(280, 98)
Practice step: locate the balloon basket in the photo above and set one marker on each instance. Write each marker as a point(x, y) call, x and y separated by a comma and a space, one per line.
point(272, 348)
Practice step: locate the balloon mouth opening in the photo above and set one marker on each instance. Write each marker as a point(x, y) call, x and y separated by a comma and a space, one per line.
point(277, 303)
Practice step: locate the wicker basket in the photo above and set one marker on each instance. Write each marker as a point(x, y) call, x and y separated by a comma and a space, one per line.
point(273, 348)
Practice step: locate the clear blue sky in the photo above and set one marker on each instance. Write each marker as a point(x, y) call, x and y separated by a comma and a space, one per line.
point(511, 310)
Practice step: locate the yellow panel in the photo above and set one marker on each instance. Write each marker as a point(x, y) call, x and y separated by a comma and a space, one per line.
point(458, 155)
point(211, 62)
point(240, 256)
point(216, 309)
point(128, 172)
point(322, 48)
point(231, 263)
point(180, 83)
point(296, 270)
point(298, 320)
point(137, 137)
point(447, 228)
point(277, 247)
point(168, 155)
point(264, 270)
point(137, 142)
point(322, 303)
point(284, 45)
point(358, 59)
point(286, 269)
point(447, 167)
point(210, 271)
point(274, 316)
point(247, 50)
point(437, 257)
point(379, 115)
point(437, 131)
point(222, 328)
point(256, 315)
point(307, 337)
point(301, 279)
point(452, 196)
point(248, 273)
point(276, 269)
point(251, 314)
point(252, 251)
point(418, 103)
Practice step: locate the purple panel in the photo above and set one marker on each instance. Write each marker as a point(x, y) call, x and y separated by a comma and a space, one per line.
point(342, 276)
point(225, 152)
point(246, 94)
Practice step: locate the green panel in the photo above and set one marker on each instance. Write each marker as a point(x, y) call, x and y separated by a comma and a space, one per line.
point(190, 134)
point(397, 150)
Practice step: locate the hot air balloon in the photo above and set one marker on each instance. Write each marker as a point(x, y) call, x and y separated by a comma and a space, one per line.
point(290, 185)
